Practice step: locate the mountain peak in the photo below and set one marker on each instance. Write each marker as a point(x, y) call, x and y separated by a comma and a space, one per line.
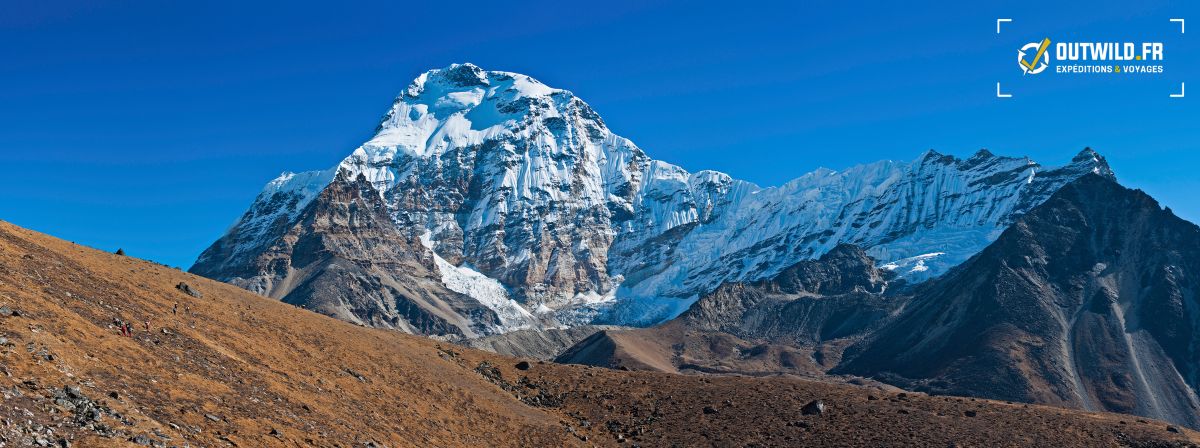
point(933, 157)
point(1086, 152)
point(464, 75)
point(983, 154)
point(1090, 160)
point(463, 105)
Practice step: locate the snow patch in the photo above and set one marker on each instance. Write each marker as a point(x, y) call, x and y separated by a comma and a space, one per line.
point(912, 265)
point(488, 291)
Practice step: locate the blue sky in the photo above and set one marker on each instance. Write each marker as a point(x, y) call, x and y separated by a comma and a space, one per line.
point(151, 125)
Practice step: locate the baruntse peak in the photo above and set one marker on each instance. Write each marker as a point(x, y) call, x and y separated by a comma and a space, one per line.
point(464, 105)
point(455, 76)
point(467, 77)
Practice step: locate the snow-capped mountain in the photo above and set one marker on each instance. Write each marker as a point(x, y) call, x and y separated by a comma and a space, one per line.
point(524, 200)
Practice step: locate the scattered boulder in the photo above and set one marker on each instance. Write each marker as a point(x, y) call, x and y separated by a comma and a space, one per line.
point(187, 289)
point(710, 410)
point(212, 417)
point(120, 252)
point(969, 413)
point(815, 407)
point(1172, 429)
point(523, 365)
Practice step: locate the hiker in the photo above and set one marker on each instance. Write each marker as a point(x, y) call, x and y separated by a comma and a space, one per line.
point(175, 309)
point(147, 324)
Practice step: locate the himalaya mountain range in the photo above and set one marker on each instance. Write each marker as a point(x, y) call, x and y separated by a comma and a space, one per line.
point(488, 201)
point(493, 210)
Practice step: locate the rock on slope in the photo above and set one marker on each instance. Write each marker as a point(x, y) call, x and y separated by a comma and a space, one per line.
point(528, 203)
point(1088, 301)
point(542, 344)
point(232, 368)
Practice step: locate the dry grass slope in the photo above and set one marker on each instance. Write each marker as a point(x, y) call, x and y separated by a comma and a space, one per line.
point(235, 369)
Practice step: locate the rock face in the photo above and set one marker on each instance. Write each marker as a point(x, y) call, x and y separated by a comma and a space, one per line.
point(836, 296)
point(518, 195)
point(342, 256)
point(1088, 301)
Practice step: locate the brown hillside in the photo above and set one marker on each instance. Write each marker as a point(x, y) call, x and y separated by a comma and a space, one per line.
point(235, 369)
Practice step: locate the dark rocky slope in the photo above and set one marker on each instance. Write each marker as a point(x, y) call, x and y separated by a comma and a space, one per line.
point(1089, 301)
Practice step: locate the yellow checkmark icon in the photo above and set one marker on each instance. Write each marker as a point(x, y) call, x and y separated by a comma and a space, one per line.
point(1041, 49)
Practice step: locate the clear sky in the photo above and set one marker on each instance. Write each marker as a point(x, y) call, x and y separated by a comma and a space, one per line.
point(151, 125)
